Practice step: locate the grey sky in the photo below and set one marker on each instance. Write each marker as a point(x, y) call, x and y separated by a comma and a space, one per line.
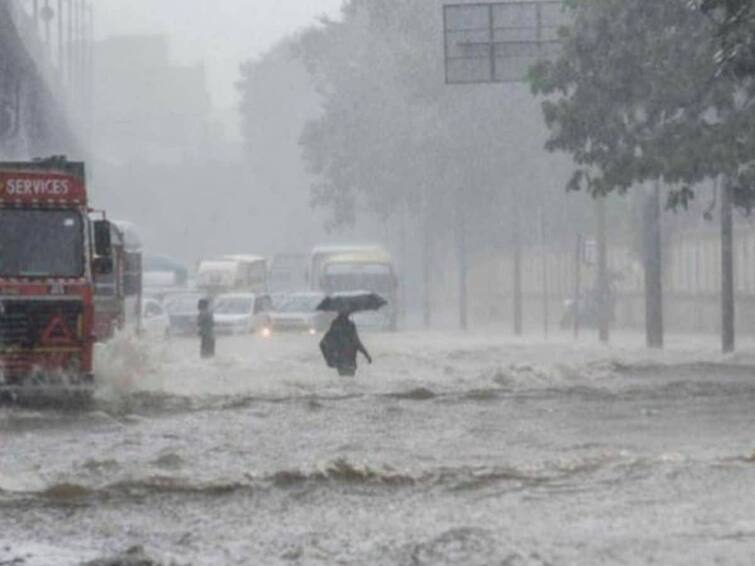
point(220, 33)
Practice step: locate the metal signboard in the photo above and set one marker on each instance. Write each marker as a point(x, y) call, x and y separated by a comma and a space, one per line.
point(499, 42)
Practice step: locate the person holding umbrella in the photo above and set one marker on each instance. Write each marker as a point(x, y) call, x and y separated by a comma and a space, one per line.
point(341, 342)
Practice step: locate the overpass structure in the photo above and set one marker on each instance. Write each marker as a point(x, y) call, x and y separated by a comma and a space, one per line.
point(45, 78)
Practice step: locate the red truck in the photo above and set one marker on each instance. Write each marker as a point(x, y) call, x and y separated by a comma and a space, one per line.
point(118, 293)
point(50, 253)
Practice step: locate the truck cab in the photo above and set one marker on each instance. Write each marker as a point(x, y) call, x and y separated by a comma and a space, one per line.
point(50, 250)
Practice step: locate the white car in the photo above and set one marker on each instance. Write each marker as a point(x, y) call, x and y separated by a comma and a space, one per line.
point(155, 319)
point(242, 313)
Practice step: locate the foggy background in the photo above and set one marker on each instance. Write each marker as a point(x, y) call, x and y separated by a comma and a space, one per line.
point(169, 153)
point(166, 128)
point(271, 127)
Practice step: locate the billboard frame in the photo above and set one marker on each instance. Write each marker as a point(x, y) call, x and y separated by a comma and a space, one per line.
point(492, 44)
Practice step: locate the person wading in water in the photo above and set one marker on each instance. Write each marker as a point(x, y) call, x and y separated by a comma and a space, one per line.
point(206, 325)
point(340, 345)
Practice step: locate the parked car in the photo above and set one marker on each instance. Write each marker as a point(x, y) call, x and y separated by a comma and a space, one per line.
point(296, 312)
point(182, 312)
point(242, 313)
point(155, 321)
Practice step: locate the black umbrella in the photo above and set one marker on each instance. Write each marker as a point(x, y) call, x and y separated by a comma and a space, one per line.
point(352, 302)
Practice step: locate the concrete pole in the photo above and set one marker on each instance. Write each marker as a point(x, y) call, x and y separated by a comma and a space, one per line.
point(604, 294)
point(727, 270)
point(577, 284)
point(461, 243)
point(426, 264)
point(60, 58)
point(653, 268)
point(544, 261)
point(70, 69)
point(517, 273)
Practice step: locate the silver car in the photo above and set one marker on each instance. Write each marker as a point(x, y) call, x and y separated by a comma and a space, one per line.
point(297, 312)
point(242, 313)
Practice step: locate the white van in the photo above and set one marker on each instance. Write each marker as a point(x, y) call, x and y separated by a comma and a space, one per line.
point(233, 273)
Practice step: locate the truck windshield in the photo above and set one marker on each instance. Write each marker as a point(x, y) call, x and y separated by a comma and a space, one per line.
point(41, 243)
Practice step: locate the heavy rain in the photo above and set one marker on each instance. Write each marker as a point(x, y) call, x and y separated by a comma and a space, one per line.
point(390, 282)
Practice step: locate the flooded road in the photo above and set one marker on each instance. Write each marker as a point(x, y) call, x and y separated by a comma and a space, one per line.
point(451, 449)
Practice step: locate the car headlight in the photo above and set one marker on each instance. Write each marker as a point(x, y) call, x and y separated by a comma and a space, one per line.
point(266, 332)
point(312, 332)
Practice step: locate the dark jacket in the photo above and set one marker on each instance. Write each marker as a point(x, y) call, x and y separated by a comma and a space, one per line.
point(206, 324)
point(341, 343)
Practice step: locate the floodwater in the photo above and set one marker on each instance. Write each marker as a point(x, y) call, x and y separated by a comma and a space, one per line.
point(450, 450)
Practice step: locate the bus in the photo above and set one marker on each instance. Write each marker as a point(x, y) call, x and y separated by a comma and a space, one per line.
point(365, 270)
point(321, 253)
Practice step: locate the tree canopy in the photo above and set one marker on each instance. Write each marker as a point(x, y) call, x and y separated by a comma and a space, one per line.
point(393, 136)
point(735, 22)
point(636, 96)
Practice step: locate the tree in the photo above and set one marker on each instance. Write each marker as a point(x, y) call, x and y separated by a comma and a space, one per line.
point(638, 98)
point(393, 137)
point(735, 21)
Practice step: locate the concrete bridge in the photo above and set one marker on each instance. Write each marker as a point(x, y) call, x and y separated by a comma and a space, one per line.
point(45, 78)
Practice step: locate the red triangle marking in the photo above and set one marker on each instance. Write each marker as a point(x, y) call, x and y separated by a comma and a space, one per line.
point(56, 332)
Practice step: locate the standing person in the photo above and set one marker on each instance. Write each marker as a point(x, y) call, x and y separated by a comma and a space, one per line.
point(340, 345)
point(206, 325)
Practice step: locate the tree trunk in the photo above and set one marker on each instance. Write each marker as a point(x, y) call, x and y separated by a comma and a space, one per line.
point(653, 268)
point(605, 303)
point(727, 270)
point(517, 243)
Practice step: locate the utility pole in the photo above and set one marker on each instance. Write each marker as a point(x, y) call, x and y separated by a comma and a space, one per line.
point(401, 306)
point(544, 259)
point(517, 244)
point(70, 69)
point(461, 243)
point(88, 94)
point(604, 292)
point(653, 267)
point(60, 58)
point(727, 269)
point(426, 260)
point(47, 15)
point(577, 284)
point(79, 40)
